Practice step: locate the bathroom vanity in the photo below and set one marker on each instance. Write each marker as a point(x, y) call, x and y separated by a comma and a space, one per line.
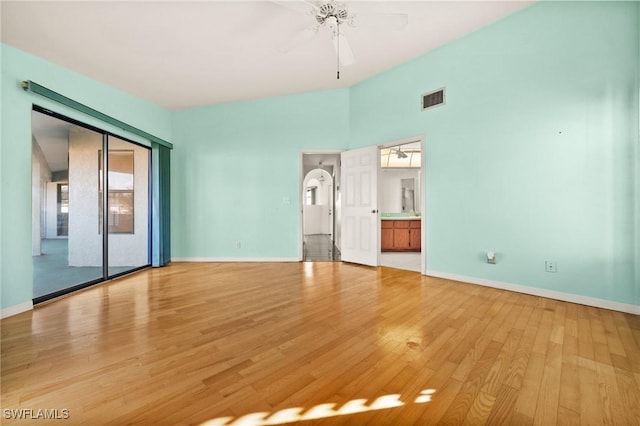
point(400, 233)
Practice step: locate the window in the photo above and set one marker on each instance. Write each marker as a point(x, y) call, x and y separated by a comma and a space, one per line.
point(401, 156)
point(311, 196)
point(120, 195)
point(62, 217)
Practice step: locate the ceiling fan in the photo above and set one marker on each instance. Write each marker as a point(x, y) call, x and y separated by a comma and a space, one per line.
point(334, 15)
point(400, 153)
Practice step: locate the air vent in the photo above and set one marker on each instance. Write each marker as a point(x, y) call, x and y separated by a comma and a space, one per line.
point(433, 99)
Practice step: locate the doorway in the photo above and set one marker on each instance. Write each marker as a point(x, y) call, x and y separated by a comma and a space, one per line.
point(320, 212)
point(375, 187)
point(401, 194)
point(90, 212)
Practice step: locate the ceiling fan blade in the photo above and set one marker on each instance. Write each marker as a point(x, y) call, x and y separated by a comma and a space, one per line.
point(393, 21)
point(300, 39)
point(345, 54)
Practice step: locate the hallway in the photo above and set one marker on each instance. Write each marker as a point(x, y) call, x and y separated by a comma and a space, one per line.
point(319, 247)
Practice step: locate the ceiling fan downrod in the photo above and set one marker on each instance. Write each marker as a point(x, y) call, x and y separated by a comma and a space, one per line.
point(338, 49)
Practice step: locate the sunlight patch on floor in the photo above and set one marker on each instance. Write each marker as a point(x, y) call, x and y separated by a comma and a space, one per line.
point(320, 411)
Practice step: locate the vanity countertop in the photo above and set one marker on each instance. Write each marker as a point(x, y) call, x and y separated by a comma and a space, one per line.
point(386, 216)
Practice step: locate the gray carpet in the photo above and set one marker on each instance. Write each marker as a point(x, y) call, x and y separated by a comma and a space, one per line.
point(51, 270)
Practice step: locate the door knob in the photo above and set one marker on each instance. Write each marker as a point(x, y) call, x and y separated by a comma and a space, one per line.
point(374, 211)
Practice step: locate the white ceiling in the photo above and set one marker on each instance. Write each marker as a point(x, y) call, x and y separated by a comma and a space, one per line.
point(52, 135)
point(181, 54)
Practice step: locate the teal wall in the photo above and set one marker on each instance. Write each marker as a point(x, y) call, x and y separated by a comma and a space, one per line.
point(535, 154)
point(637, 177)
point(16, 273)
point(236, 165)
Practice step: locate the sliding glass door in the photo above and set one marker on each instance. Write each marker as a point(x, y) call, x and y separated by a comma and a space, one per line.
point(72, 248)
point(66, 247)
point(128, 206)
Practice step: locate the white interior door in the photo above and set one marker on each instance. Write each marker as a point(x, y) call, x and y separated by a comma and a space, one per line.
point(359, 187)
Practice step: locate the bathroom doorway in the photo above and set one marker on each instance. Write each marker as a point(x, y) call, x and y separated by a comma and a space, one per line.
point(401, 199)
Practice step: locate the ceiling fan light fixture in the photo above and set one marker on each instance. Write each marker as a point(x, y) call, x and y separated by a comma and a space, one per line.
point(342, 14)
point(327, 9)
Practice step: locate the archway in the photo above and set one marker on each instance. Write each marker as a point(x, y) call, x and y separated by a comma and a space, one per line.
point(318, 215)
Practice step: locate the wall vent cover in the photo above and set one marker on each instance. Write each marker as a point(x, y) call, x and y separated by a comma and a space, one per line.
point(433, 99)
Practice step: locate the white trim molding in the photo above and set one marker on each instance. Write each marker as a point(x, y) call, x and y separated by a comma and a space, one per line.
point(16, 309)
point(551, 294)
point(235, 259)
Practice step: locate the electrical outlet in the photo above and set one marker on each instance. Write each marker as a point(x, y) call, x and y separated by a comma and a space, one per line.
point(550, 266)
point(238, 245)
point(491, 257)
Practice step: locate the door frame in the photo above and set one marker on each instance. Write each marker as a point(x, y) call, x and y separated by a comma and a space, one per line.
point(423, 201)
point(301, 176)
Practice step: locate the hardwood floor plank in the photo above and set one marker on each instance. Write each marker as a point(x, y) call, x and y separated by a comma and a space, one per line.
point(544, 332)
point(516, 370)
point(549, 393)
point(503, 407)
point(585, 336)
point(612, 406)
point(244, 342)
point(629, 393)
point(417, 395)
point(629, 338)
point(472, 353)
point(590, 403)
point(458, 411)
point(526, 404)
point(611, 333)
point(444, 397)
point(568, 417)
point(569, 398)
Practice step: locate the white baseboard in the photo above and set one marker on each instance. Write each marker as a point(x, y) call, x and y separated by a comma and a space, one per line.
point(235, 259)
point(551, 294)
point(16, 309)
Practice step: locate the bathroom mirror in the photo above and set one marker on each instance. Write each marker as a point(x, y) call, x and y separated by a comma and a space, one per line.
point(407, 193)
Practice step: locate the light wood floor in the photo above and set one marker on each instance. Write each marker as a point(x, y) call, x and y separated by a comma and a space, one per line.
point(195, 342)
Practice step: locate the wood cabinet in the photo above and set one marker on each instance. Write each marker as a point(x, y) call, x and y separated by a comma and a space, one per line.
point(400, 235)
point(386, 235)
point(415, 239)
point(401, 238)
